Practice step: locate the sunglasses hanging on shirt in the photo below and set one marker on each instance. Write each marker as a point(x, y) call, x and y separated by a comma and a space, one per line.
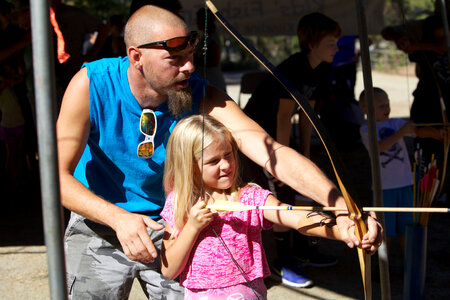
point(147, 125)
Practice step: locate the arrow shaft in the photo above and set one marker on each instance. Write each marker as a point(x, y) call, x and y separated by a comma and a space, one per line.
point(234, 207)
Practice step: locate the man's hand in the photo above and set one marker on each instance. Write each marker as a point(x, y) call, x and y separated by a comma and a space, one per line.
point(131, 230)
point(374, 236)
point(371, 240)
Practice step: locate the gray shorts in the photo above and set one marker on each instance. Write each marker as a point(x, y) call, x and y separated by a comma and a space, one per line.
point(97, 268)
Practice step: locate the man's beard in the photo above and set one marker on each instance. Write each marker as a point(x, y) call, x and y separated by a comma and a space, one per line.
point(180, 101)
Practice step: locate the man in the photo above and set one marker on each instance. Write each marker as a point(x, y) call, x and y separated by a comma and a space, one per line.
point(114, 190)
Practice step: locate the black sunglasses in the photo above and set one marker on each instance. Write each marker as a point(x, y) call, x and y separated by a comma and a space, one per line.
point(176, 43)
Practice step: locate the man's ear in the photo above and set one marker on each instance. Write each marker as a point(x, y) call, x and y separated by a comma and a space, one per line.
point(134, 56)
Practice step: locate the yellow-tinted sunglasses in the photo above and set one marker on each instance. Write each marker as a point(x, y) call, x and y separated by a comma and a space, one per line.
point(147, 126)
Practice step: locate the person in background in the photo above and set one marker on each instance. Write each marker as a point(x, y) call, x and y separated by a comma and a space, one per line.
point(433, 72)
point(114, 44)
point(345, 63)
point(424, 42)
point(201, 169)
point(12, 126)
point(395, 166)
point(272, 107)
point(17, 119)
point(343, 116)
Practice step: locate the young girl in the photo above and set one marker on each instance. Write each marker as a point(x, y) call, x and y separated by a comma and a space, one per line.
point(218, 255)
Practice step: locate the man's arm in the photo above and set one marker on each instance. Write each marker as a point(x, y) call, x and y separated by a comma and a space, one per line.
point(432, 133)
point(281, 161)
point(73, 128)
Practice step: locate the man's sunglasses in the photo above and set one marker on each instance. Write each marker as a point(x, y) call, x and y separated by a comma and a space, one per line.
point(175, 44)
point(147, 126)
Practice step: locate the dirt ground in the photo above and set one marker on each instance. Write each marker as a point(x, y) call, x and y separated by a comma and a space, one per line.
point(23, 263)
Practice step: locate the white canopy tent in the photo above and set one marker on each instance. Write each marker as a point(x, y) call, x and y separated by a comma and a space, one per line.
point(280, 17)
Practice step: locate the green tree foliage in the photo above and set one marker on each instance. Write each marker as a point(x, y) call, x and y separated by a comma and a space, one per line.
point(410, 9)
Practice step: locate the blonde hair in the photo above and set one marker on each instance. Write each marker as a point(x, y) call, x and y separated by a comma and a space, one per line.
point(184, 149)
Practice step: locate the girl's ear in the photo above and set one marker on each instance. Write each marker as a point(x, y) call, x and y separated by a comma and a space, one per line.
point(197, 172)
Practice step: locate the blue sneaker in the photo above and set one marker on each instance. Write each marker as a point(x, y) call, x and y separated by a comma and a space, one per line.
point(318, 260)
point(292, 275)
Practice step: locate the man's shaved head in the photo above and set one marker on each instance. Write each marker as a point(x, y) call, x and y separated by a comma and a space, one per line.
point(147, 22)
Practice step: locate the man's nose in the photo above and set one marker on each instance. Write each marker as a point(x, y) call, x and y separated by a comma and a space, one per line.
point(188, 66)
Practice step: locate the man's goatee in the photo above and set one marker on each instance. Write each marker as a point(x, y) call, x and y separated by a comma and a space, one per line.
point(180, 102)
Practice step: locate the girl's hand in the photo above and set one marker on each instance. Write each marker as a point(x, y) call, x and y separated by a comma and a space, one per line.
point(200, 216)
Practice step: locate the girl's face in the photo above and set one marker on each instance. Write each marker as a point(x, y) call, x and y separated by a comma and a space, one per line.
point(219, 166)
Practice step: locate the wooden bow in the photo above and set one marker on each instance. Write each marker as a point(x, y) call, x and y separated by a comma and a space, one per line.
point(354, 212)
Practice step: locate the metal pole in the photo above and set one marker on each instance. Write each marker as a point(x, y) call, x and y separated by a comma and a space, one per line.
point(445, 26)
point(373, 144)
point(44, 79)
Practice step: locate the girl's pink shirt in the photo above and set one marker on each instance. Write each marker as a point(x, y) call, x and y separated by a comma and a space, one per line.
point(209, 264)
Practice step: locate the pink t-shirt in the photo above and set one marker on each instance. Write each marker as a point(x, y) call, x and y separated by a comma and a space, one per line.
point(209, 265)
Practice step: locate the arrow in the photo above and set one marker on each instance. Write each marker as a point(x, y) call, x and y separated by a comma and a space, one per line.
point(223, 205)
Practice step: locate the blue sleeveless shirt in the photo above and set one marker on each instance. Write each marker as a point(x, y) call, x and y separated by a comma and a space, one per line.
point(109, 166)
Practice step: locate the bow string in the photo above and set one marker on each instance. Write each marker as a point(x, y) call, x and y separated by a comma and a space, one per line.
point(354, 212)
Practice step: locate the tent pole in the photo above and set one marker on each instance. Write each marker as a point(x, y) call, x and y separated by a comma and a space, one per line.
point(445, 25)
point(44, 79)
point(373, 144)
